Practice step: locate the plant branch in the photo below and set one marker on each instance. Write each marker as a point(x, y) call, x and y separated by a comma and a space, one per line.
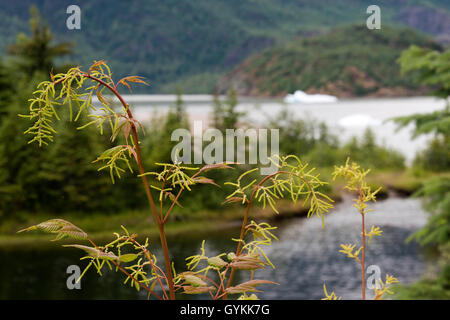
point(127, 273)
point(145, 183)
point(176, 199)
point(363, 254)
point(244, 222)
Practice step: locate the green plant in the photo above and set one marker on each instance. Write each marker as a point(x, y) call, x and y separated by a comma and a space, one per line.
point(294, 179)
point(36, 53)
point(356, 182)
point(432, 68)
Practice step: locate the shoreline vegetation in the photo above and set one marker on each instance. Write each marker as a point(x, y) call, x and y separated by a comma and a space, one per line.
point(102, 226)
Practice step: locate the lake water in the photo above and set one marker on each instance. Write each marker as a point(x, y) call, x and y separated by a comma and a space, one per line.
point(305, 257)
point(347, 118)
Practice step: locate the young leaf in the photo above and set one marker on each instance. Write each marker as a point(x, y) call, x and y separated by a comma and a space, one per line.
point(61, 227)
point(94, 252)
point(204, 180)
point(248, 286)
point(128, 257)
point(223, 165)
point(197, 290)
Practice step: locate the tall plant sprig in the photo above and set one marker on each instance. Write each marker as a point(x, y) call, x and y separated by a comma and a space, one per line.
point(293, 179)
point(356, 182)
point(77, 87)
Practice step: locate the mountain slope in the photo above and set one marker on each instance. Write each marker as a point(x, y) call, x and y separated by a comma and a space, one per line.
point(348, 61)
point(192, 41)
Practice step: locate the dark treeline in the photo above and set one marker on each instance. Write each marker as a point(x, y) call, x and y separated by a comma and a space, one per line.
point(60, 177)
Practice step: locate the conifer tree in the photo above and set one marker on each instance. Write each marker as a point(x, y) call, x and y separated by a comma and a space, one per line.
point(6, 91)
point(36, 52)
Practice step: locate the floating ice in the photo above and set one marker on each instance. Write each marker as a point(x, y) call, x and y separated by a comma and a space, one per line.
point(302, 97)
point(358, 120)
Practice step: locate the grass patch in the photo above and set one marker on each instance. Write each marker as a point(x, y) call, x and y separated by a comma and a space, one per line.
point(101, 226)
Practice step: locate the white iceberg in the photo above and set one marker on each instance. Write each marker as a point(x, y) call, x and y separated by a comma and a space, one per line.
point(302, 97)
point(358, 120)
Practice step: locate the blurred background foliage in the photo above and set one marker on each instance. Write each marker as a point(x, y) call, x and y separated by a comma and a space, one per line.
point(432, 67)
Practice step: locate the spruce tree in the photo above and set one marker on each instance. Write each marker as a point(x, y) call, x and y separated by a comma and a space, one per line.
point(36, 52)
point(6, 91)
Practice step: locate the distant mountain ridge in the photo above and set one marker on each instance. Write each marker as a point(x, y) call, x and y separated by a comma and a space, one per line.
point(346, 62)
point(430, 20)
point(192, 43)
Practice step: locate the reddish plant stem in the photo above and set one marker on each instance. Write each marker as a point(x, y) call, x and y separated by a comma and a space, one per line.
point(221, 283)
point(363, 254)
point(239, 246)
point(157, 219)
point(363, 273)
point(154, 267)
point(244, 224)
point(176, 199)
point(156, 215)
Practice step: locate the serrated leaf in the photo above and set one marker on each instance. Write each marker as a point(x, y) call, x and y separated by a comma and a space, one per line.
point(217, 262)
point(244, 265)
point(194, 280)
point(223, 165)
point(197, 290)
point(172, 197)
point(233, 200)
point(94, 252)
point(136, 79)
point(204, 180)
point(96, 64)
point(73, 232)
point(128, 257)
point(248, 286)
point(101, 98)
point(59, 226)
point(126, 131)
point(117, 130)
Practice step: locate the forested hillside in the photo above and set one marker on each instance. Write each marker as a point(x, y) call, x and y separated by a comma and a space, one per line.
point(192, 43)
point(346, 62)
